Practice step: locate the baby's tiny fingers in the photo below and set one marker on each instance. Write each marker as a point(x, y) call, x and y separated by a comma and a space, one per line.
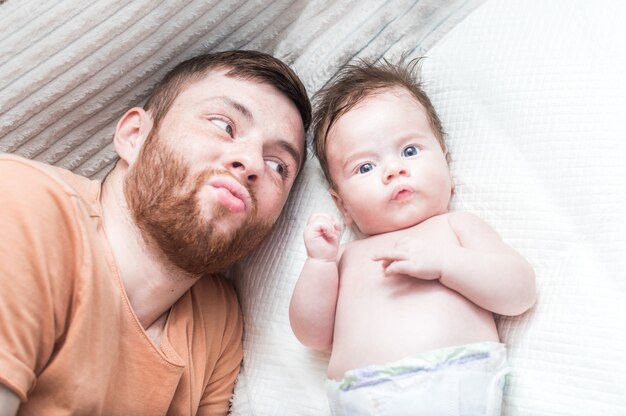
point(386, 261)
point(386, 256)
point(329, 231)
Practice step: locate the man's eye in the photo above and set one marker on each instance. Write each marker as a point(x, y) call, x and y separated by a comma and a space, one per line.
point(365, 167)
point(224, 125)
point(279, 167)
point(410, 151)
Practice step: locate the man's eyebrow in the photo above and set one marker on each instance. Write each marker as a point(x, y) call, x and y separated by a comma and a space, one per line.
point(290, 148)
point(242, 109)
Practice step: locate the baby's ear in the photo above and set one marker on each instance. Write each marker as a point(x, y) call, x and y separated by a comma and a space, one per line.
point(347, 219)
point(452, 184)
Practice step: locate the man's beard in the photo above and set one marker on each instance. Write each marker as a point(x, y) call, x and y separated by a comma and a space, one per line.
point(163, 201)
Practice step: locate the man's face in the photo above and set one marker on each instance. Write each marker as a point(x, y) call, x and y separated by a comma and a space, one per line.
point(212, 180)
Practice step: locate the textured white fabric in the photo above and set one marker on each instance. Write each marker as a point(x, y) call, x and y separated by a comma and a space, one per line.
point(532, 95)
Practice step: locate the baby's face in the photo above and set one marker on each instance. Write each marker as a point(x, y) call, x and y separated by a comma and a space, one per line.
point(389, 169)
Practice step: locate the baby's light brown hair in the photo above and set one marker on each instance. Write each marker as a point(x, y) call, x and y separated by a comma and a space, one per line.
point(355, 82)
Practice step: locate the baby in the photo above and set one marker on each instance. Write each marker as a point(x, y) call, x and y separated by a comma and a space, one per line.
point(409, 308)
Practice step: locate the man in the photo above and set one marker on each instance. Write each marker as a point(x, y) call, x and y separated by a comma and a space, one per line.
point(111, 301)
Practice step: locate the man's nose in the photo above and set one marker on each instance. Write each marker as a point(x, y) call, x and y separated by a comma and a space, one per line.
point(394, 170)
point(246, 163)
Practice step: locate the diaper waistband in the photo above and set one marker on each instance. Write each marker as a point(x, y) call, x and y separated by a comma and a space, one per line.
point(424, 362)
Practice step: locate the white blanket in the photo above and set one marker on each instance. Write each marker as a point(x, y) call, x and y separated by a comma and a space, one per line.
point(533, 98)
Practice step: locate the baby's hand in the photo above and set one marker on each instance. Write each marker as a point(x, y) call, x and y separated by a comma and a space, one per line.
point(321, 237)
point(412, 256)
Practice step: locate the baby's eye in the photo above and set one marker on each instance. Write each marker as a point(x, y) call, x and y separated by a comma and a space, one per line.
point(410, 151)
point(224, 125)
point(365, 167)
point(279, 167)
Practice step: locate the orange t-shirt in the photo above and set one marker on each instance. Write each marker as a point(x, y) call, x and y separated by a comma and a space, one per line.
point(69, 340)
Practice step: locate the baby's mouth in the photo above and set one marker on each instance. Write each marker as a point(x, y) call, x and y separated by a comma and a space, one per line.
point(401, 193)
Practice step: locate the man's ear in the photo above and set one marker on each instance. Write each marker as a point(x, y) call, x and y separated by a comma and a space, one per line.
point(347, 219)
point(131, 133)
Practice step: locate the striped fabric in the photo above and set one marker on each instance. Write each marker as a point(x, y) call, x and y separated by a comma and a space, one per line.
point(69, 69)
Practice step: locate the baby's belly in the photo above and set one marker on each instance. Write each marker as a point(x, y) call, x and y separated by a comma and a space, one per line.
point(386, 319)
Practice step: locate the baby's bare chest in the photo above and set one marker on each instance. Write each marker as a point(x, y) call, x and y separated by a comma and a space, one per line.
point(360, 257)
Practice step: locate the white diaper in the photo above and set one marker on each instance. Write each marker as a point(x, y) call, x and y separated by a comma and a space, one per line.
point(463, 380)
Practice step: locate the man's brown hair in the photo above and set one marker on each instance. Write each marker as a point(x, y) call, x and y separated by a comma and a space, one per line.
point(242, 64)
point(352, 84)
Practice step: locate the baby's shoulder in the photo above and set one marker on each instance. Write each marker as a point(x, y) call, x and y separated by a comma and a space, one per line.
point(462, 219)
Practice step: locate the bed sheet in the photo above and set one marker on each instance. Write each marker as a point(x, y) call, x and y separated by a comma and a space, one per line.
point(533, 98)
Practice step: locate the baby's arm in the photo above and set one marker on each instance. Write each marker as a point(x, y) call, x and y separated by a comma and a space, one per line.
point(314, 299)
point(481, 267)
point(486, 270)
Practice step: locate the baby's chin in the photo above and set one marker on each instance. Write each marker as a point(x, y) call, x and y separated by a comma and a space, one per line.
point(380, 229)
point(385, 227)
